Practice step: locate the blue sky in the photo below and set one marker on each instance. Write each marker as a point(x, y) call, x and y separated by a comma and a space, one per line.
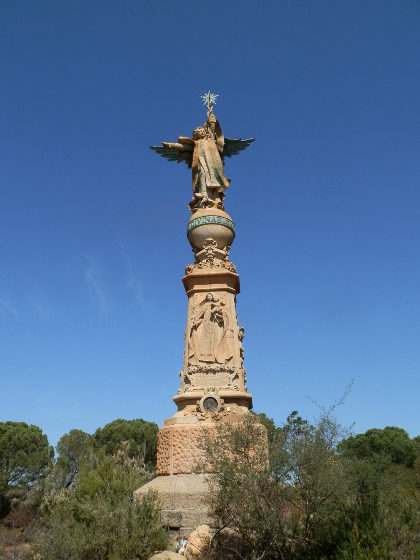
point(326, 204)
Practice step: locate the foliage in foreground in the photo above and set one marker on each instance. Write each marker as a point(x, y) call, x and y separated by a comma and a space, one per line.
point(99, 519)
point(79, 506)
point(314, 499)
point(25, 457)
point(140, 434)
point(321, 495)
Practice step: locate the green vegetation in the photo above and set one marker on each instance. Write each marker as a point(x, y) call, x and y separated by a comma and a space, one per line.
point(79, 507)
point(25, 458)
point(391, 444)
point(72, 448)
point(321, 493)
point(140, 435)
point(99, 519)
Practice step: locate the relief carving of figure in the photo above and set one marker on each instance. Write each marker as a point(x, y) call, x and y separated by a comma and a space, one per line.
point(210, 333)
point(241, 334)
point(224, 351)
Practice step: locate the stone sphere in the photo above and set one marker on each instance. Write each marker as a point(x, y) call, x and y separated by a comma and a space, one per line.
point(210, 223)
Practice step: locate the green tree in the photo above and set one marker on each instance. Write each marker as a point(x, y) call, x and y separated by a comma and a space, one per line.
point(25, 457)
point(99, 519)
point(383, 516)
point(72, 449)
point(140, 435)
point(310, 501)
point(281, 509)
point(390, 444)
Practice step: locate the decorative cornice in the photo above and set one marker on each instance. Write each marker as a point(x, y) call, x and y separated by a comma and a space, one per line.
point(207, 264)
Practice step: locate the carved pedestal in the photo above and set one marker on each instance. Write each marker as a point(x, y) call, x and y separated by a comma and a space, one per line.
point(213, 383)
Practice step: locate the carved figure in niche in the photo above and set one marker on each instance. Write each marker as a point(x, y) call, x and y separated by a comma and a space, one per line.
point(211, 335)
point(234, 379)
point(224, 351)
point(204, 326)
point(241, 334)
point(187, 381)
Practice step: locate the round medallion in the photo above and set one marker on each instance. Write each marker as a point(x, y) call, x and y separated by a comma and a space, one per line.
point(210, 404)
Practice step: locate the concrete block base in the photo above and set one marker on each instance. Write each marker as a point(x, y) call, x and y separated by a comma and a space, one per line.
point(183, 500)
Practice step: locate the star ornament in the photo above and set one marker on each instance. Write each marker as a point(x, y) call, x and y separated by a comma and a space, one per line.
point(209, 98)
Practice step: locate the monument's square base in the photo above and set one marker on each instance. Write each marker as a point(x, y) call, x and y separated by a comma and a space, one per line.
point(183, 502)
point(184, 496)
point(182, 439)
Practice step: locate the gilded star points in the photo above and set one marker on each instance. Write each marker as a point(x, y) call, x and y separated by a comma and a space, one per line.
point(209, 99)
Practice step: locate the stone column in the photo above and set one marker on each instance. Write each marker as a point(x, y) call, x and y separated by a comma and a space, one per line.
point(213, 378)
point(213, 384)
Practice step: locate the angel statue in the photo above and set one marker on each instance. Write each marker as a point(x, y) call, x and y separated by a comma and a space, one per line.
point(205, 153)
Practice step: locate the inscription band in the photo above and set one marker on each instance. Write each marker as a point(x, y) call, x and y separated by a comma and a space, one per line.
point(203, 220)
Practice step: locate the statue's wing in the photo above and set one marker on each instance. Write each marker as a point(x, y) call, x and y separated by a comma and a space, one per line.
point(233, 146)
point(173, 155)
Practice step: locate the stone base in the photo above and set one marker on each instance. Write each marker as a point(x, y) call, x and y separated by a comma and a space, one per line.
point(180, 448)
point(180, 441)
point(183, 501)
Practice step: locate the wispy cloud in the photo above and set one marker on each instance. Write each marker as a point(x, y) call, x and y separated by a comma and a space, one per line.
point(93, 278)
point(39, 309)
point(5, 306)
point(132, 283)
point(42, 309)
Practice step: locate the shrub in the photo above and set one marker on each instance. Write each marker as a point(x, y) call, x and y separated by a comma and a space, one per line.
point(99, 520)
point(310, 502)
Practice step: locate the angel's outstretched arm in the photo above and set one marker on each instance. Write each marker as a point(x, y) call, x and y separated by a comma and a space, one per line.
point(178, 146)
point(176, 151)
point(185, 140)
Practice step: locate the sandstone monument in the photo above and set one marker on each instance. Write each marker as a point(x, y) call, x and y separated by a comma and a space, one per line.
point(213, 384)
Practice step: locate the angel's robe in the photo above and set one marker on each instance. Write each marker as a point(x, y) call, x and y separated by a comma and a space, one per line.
point(203, 152)
point(207, 168)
